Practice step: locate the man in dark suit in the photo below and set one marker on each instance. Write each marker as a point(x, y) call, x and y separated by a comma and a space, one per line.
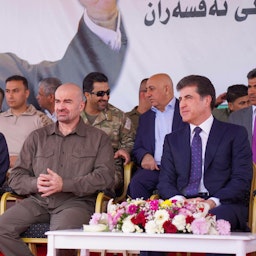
point(87, 52)
point(246, 116)
point(162, 118)
point(226, 159)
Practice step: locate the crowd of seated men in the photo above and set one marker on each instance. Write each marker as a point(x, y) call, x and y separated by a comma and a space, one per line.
point(40, 148)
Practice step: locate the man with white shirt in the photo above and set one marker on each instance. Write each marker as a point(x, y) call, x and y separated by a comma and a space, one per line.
point(224, 167)
point(99, 45)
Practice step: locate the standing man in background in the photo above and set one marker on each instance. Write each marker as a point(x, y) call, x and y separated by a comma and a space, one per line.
point(237, 98)
point(246, 116)
point(144, 105)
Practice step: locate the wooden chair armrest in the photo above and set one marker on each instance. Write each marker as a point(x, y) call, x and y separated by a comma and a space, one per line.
point(127, 179)
point(253, 220)
point(154, 197)
point(7, 196)
point(102, 202)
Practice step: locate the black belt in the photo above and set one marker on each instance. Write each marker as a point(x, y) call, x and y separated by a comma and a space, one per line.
point(204, 195)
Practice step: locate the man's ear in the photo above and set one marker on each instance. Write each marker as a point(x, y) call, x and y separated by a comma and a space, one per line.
point(208, 100)
point(51, 97)
point(230, 106)
point(27, 93)
point(86, 94)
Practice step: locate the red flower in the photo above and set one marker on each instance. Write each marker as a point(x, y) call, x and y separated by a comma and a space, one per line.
point(201, 209)
point(169, 227)
point(139, 219)
point(189, 219)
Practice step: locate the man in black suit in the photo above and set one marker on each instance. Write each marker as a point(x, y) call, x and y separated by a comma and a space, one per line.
point(88, 51)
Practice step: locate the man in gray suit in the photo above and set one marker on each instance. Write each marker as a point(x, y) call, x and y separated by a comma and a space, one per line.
point(246, 116)
point(88, 51)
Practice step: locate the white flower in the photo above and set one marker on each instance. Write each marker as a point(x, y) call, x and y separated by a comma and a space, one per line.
point(111, 207)
point(128, 226)
point(152, 228)
point(200, 214)
point(179, 221)
point(212, 231)
point(138, 201)
point(138, 229)
point(161, 216)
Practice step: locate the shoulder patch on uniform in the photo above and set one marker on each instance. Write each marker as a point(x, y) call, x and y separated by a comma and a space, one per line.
point(128, 123)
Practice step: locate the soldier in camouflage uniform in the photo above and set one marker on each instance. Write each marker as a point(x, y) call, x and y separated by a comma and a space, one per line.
point(99, 113)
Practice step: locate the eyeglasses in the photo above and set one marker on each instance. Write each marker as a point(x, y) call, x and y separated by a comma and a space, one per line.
point(101, 93)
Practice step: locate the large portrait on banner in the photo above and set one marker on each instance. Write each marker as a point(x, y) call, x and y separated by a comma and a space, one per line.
point(127, 40)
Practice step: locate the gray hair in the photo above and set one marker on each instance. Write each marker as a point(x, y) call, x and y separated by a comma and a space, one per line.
point(50, 84)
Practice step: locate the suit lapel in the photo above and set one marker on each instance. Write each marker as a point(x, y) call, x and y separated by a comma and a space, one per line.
point(248, 124)
point(213, 142)
point(184, 145)
point(151, 126)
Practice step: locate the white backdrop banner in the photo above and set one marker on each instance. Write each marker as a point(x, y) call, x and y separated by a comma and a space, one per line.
point(214, 38)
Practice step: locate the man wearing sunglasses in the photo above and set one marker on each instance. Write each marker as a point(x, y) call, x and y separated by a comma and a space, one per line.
point(99, 113)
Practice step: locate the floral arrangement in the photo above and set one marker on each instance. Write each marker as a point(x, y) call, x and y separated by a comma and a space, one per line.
point(160, 216)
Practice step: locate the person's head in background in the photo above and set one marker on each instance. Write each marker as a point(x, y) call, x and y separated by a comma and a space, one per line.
point(237, 97)
point(96, 91)
point(251, 76)
point(1, 98)
point(144, 103)
point(46, 93)
point(16, 93)
point(159, 90)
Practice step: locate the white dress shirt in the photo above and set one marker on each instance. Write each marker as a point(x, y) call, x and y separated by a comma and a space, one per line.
point(108, 36)
point(204, 134)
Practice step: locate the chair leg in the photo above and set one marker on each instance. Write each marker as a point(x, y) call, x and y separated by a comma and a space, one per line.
point(125, 253)
point(133, 253)
point(32, 248)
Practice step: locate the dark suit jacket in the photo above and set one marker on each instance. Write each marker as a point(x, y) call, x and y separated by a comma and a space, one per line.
point(227, 167)
point(4, 159)
point(243, 117)
point(86, 53)
point(145, 135)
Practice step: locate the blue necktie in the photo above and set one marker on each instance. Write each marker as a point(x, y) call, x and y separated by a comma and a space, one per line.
point(196, 164)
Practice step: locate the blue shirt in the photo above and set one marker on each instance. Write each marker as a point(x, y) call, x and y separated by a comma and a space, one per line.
point(163, 126)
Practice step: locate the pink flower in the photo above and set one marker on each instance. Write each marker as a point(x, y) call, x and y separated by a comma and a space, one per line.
point(161, 216)
point(132, 209)
point(154, 204)
point(223, 227)
point(184, 211)
point(199, 226)
point(95, 218)
point(116, 218)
